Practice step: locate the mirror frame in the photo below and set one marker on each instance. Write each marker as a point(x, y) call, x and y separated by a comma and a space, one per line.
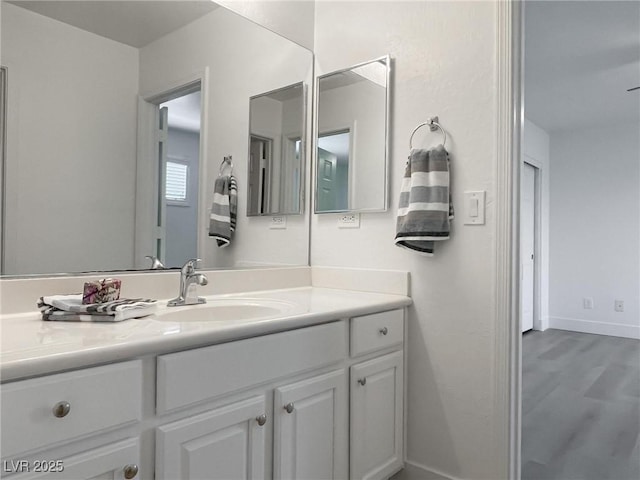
point(303, 149)
point(4, 74)
point(387, 120)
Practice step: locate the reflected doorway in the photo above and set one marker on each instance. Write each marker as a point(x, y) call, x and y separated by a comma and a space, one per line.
point(333, 171)
point(181, 171)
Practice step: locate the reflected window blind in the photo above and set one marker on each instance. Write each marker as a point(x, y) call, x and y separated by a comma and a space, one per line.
point(176, 184)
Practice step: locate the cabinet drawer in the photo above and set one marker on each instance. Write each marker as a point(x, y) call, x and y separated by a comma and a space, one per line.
point(108, 462)
point(197, 375)
point(377, 331)
point(98, 398)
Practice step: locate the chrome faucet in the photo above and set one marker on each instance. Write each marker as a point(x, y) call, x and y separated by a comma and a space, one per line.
point(156, 264)
point(189, 280)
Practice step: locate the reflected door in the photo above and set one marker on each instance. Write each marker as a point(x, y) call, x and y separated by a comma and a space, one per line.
point(328, 163)
point(527, 243)
point(260, 150)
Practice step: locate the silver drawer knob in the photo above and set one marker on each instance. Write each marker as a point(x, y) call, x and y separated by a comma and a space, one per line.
point(130, 471)
point(262, 419)
point(362, 381)
point(289, 407)
point(61, 409)
point(383, 331)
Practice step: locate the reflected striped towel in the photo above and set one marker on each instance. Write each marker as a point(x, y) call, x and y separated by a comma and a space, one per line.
point(425, 207)
point(222, 220)
point(70, 308)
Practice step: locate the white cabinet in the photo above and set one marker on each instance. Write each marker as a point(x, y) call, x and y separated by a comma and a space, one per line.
point(224, 443)
point(311, 429)
point(118, 461)
point(377, 417)
point(279, 406)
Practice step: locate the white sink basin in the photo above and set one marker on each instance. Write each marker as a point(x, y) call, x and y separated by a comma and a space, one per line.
point(226, 310)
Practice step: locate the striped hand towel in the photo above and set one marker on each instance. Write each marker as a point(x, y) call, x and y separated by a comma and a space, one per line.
point(71, 308)
point(222, 221)
point(425, 207)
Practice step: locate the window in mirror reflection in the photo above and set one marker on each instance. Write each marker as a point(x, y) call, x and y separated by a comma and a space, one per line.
point(275, 152)
point(351, 153)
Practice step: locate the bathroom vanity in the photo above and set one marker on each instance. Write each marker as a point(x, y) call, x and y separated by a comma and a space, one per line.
point(307, 383)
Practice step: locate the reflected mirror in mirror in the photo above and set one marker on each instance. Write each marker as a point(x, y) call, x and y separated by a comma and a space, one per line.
point(118, 115)
point(351, 139)
point(276, 152)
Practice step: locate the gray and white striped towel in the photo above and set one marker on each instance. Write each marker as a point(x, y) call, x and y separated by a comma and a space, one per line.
point(224, 211)
point(425, 207)
point(70, 308)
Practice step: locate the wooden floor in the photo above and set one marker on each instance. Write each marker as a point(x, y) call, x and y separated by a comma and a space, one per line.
point(581, 406)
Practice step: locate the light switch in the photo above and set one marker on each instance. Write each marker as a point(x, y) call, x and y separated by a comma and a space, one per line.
point(474, 207)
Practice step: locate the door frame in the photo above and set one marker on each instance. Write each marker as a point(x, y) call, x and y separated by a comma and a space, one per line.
point(537, 241)
point(507, 406)
point(147, 148)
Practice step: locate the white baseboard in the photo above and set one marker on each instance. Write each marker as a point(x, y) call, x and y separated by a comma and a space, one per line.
point(544, 323)
point(415, 471)
point(599, 328)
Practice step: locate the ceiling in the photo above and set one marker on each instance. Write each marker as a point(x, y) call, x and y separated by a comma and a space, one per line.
point(134, 23)
point(580, 59)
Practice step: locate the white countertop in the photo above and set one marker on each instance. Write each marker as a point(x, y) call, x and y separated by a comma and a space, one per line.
point(31, 347)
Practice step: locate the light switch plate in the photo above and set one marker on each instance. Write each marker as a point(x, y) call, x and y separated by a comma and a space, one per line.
point(278, 223)
point(474, 207)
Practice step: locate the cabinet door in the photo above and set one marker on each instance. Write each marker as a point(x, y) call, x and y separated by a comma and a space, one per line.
point(227, 443)
point(117, 461)
point(311, 429)
point(377, 417)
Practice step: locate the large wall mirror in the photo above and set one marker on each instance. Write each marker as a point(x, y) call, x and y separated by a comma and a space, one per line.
point(118, 115)
point(276, 152)
point(352, 139)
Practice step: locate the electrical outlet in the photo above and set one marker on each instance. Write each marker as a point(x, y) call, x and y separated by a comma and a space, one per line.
point(587, 303)
point(618, 305)
point(349, 220)
point(278, 223)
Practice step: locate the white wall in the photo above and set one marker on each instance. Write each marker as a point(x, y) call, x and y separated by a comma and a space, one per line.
point(595, 229)
point(359, 107)
point(292, 19)
point(535, 150)
point(72, 172)
point(238, 53)
point(444, 63)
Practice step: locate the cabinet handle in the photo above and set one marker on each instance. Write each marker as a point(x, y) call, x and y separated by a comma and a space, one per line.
point(362, 381)
point(289, 407)
point(130, 471)
point(262, 419)
point(61, 409)
point(383, 331)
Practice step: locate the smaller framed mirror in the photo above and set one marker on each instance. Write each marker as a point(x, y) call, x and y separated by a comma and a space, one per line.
point(276, 152)
point(351, 140)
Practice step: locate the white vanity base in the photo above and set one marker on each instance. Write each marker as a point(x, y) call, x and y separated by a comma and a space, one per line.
point(318, 394)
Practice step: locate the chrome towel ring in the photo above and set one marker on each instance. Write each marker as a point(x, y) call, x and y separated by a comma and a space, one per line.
point(433, 126)
point(226, 160)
